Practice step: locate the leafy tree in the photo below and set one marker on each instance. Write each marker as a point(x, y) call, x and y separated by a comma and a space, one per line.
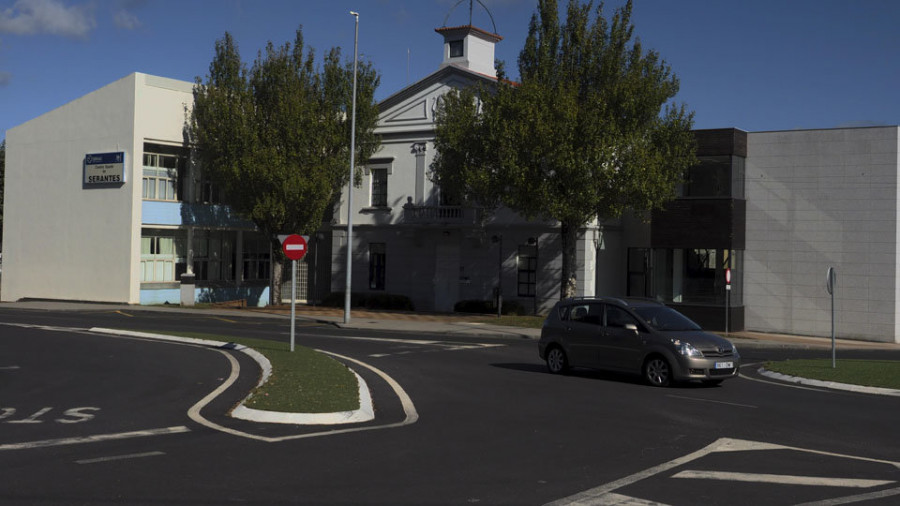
point(588, 132)
point(276, 138)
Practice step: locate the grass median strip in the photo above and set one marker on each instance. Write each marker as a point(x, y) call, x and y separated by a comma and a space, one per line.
point(872, 373)
point(303, 381)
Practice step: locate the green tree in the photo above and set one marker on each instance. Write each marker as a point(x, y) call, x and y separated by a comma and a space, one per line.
point(588, 132)
point(276, 138)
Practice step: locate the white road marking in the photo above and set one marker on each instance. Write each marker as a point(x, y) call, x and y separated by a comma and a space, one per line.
point(592, 496)
point(119, 457)
point(9, 368)
point(881, 494)
point(781, 479)
point(622, 500)
point(711, 400)
point(94, 439)
point(194, 413)
point(782, 384)
point(424, 342)
point(408, 407)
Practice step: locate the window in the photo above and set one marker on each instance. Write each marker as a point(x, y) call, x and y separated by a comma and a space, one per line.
point(161, 176)
point(256, 259)
point(214, 255)
point(696, 275)
point(207, 193)
point(379, 187)
point(617, 317)
point(527, 267)
point(590, 314)
point(715, 177)
point(162, 256)
point(377, 261)
point(456, 48)
point(638, 267)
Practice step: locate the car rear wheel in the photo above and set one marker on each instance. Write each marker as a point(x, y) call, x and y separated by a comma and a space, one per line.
point(557, 362)
point(657, 371)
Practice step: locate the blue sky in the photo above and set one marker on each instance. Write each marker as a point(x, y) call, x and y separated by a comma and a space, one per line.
point(752, 64)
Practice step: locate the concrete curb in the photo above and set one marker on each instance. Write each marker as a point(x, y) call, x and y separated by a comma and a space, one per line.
point(829, 384)
point(365, 413)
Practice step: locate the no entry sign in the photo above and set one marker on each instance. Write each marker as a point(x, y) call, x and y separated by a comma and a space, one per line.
point(294, 247)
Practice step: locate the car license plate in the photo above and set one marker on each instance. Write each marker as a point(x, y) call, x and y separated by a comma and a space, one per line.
point(724, 365)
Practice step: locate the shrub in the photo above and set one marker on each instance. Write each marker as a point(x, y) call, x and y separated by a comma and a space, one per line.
point(515, 308)
point(370, 301)
point(510, 307)
point(474, 306)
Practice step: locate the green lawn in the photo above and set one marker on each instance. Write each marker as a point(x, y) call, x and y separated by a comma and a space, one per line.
point(873, 373)
point(304, 381)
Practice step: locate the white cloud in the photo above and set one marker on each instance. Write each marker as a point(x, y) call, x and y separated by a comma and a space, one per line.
point(126, 20)
point(31, 17)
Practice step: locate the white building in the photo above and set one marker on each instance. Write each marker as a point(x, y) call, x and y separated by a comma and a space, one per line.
point(68, 237)
point(818, 199)
point(776, 208)
point(410, 240)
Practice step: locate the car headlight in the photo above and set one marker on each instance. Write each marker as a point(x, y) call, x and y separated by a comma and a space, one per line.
point(734, 350)
point(686, 349)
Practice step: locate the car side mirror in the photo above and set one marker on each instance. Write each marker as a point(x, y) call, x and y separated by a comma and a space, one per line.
point(632, 327)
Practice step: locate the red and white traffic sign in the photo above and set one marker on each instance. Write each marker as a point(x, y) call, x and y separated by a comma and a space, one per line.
point(294, 246)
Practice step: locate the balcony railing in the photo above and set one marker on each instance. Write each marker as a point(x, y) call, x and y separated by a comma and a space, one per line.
point(447, 215)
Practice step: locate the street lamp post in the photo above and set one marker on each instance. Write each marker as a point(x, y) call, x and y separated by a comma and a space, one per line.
point(352, 164)
point(499, 240)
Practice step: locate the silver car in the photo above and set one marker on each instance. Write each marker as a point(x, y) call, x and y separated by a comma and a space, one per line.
point(638, 336)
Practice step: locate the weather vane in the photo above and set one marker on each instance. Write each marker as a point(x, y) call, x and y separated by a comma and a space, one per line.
point(471, 5)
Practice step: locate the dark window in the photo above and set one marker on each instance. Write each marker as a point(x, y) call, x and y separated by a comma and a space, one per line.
point(214, 255)
point(377, 260)
point(696, 275)
point(256, 259)
point(527, 267)
point(456, 48)
point(638, 265)
point(617, 317)
point(715, 176)
point(379, 187)
point(591, 314)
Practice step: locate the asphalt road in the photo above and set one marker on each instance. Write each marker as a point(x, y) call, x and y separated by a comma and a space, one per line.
point(89, 419)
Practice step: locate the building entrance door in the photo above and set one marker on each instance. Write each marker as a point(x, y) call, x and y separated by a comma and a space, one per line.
point(446, 276)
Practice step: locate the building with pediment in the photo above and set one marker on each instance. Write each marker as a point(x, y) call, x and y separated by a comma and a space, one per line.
point(410, 239)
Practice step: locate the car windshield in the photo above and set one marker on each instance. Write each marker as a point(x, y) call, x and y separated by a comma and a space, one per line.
point(665, 318)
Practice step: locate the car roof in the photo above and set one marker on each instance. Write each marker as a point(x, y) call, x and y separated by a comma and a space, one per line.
point(621, 301)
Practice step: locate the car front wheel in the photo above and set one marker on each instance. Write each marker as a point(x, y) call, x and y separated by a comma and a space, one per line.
point(658, 372)
point(557, 362)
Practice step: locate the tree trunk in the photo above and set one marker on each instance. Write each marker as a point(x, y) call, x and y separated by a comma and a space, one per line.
point(569, 235)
